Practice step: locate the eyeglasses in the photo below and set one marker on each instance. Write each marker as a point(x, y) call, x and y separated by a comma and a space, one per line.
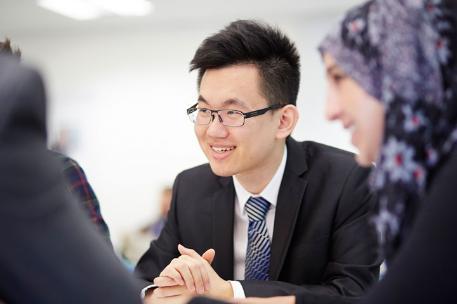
point(229, 118)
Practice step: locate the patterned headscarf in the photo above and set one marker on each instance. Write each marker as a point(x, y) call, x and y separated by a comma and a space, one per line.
point(403, 53)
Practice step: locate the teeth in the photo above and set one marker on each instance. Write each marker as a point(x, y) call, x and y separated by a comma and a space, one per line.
point(222, 149)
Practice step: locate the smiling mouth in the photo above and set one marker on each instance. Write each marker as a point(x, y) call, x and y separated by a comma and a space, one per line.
point(222, 149)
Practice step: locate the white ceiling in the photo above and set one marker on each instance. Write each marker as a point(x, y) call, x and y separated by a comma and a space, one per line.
point(25, 17)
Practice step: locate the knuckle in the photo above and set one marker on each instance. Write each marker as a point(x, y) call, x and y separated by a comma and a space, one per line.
point(194, 266)
point(173, 263)
point(181, 267)
point(185, 258)
point(203, 270)
point(164, 273)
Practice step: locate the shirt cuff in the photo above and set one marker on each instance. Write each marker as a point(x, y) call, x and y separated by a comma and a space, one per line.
point(238, 291)
point(149, 287)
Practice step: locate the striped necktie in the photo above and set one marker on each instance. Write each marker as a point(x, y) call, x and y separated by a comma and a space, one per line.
point(258, 251)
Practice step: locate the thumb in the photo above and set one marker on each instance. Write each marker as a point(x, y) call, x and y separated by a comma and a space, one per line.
point(209, 255)
point(187, 251)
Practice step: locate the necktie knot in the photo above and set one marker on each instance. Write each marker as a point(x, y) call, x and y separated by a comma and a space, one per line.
point(257, 208)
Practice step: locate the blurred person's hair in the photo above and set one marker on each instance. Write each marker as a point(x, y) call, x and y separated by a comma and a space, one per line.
point(252, 42)
point(6, 48)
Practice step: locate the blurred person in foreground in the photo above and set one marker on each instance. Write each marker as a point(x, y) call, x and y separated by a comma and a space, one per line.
point(278, 216)
point(392, 80)
point(50, 252)
point(77, 182)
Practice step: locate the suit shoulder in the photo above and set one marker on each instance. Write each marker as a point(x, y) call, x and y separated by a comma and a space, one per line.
point(199, 175)
point(316, 147)
point(332, 161)
point(198, 182)
point(321, 152)
point(200, 170)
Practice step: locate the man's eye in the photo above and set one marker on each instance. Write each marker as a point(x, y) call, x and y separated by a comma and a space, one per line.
point(204, 111)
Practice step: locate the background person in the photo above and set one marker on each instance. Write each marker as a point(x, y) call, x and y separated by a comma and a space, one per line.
point(77, 182)
point(51, 253)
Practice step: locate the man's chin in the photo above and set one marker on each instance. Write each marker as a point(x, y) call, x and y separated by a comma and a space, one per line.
point(219, 171)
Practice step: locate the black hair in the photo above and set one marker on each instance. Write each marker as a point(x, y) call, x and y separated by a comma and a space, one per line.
point(252, 42)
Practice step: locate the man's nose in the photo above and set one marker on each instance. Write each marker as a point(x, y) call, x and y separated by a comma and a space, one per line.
point(216, 128)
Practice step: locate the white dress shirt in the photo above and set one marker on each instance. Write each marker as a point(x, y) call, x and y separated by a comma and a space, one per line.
point(241, 221)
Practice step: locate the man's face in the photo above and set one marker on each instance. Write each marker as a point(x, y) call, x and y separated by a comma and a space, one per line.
point(237, 150)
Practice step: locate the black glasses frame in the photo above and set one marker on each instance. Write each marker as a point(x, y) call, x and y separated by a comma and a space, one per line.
point(250, 114)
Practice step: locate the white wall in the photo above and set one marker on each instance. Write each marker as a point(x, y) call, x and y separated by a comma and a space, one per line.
point(125, 93)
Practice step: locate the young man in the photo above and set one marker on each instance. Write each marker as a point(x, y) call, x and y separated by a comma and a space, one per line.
point(280, 216)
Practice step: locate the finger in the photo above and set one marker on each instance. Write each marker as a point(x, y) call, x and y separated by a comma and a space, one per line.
point(204, 276)
point(187, 251)
point(209, 255)
point(186, 275)
point(197, 268)
point(165, 282)
point(164, 292)
point(171, 272)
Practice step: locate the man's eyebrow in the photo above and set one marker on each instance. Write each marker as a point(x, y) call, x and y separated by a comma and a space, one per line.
point(228, 102)
point(202, 99)
point(234, 101)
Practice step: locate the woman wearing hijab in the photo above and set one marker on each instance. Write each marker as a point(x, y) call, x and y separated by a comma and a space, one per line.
point(392, 80)
point(392, 77)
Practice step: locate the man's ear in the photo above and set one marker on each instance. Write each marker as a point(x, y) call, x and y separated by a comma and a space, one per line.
point(287, 121)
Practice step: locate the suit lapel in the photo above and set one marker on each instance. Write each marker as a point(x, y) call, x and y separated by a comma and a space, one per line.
point(290, 198)
point(223, 217)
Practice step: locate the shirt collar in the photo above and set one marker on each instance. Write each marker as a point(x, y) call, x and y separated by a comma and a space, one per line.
point(271, 191)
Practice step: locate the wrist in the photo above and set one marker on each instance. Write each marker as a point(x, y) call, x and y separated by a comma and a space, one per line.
point(228, 290)
point(224, 291)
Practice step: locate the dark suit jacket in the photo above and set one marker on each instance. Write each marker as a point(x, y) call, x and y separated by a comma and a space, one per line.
point(425, 268)
point(50, 252)
point(322, 242)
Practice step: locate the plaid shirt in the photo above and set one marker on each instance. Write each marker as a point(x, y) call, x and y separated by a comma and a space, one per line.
point(80, 187)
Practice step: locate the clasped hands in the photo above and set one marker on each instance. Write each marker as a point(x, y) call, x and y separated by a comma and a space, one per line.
point(189, 275)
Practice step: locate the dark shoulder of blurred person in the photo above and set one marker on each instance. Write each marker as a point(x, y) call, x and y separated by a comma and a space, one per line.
point(73, 173)
point(50, 251)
